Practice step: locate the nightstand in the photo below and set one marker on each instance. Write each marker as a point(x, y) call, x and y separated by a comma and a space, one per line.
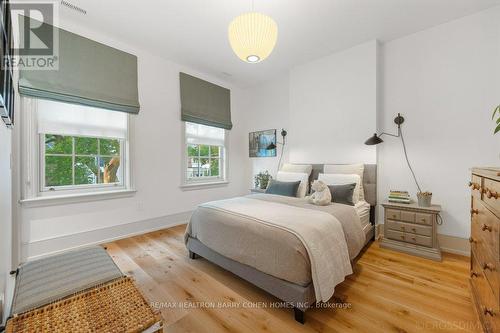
point(411, 229)
point(258, 190)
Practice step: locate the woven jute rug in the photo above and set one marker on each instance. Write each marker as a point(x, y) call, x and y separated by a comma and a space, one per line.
point(116, 306)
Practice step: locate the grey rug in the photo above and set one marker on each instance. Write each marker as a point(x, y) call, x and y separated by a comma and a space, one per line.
point(49, 279)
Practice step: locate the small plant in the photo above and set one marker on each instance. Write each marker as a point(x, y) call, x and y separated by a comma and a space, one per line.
point(262, 179)
point(497, 110)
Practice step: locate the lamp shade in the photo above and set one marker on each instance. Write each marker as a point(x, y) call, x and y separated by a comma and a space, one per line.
point(271, 146)
point(252, 36)
point(374, 140)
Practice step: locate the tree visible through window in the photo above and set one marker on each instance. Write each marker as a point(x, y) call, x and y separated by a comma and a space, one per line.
point(205, 153)
point(75, 161)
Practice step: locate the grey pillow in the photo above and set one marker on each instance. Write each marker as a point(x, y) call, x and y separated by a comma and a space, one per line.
point(342, 193)
point(288, 189)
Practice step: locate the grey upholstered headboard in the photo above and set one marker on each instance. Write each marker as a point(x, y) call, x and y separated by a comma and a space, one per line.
point(369, 184)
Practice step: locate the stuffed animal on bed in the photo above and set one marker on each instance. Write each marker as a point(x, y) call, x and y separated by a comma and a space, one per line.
point(321, 195)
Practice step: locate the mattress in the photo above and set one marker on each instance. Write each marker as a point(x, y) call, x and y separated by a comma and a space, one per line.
point(363, 210)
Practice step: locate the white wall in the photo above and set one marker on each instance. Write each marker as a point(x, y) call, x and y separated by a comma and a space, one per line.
point(157, 146)
point(446, 82)
point(333, 107)
point(5, 214)
point(267, 107)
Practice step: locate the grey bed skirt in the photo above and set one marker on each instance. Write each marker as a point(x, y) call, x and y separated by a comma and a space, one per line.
point(295, 295)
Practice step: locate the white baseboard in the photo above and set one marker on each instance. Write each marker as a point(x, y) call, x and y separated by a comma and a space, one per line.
point(41, 248)
point(449, 244)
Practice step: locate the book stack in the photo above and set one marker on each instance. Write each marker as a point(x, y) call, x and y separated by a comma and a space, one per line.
point(399, 197)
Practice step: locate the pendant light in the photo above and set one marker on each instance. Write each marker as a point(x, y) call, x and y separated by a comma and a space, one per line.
point(252, 36)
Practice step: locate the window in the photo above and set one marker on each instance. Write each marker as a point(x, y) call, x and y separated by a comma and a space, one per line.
point(205, 154)
point(74, 149)
point(76, 160)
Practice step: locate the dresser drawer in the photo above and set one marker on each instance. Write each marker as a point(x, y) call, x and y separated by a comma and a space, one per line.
point(485, 227)
point(476, 186)
point(491, 194)
point(407, 216)
point(488, 306)
point(393, 214)
point(408, 238)
point(410, 228)
point(423, 218)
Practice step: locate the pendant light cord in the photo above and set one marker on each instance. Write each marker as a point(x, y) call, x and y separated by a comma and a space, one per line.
point(407, 160)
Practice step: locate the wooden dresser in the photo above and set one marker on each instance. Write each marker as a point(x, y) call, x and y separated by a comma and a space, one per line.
point(412, 229)
point(484, 260)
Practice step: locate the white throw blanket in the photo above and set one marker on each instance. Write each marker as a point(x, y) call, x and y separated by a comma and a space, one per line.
point(321, 234)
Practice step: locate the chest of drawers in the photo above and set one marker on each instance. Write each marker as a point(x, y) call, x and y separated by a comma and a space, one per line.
point(485, 252)
point(411, 229)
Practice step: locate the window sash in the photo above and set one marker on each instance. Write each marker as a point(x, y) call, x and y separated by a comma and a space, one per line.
point(74, 155)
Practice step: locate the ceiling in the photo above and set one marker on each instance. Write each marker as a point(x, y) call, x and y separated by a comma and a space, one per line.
point(194, 32)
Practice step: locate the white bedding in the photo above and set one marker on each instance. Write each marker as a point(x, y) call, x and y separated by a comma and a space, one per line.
point(363, 210)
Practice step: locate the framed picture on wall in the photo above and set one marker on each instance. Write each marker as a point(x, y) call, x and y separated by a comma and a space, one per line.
point(258, 143)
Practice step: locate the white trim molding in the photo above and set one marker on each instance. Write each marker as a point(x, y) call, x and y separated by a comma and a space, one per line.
point(48, 246)
point(76, 198)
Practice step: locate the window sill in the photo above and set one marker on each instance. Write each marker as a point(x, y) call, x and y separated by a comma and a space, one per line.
point(76, 198)
point(199, 186)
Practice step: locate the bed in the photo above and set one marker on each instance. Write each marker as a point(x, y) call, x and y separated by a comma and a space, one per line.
point(263, 239)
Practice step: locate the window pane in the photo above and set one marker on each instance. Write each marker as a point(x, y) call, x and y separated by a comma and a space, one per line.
point(214, 168)
point(193, 150)
point(205, 167)
point(85, 146)
point(58, 144)
point(215, 151)
point(109, 146)
point(85, 170)
point(109, 170)
point(204, 150)
point(58, 170)
point(193, 168)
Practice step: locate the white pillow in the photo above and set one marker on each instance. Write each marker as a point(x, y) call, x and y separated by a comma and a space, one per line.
point(305, 168)
point(342, 179)
point(357, 169)
point(293, 177)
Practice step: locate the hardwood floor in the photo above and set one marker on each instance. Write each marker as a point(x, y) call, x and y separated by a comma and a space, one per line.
point(389, 292)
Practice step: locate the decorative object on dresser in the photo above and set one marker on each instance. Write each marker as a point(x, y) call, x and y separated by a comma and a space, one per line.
point(484, 259)
point(412, 229)
point(376, 139)
point(399, 197)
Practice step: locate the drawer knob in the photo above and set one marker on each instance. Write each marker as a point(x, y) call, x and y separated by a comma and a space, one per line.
point(491, 194)
point(423, 219)
point(403, 228)
point(393, 216)
point(474, 211)
point(471, 240)
point(488, 311)
point(413, 229)
point(486, 227)
point(414, 239)
point(489, 266)
point(473, 274)
point(402, 237)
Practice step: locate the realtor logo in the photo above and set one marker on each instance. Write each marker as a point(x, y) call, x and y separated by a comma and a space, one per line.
point(35, 40)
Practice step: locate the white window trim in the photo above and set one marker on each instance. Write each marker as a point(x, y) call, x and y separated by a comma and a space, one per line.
point(205, 182)
point(32, 193)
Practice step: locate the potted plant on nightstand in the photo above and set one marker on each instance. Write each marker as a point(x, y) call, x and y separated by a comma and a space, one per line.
point(261, 180)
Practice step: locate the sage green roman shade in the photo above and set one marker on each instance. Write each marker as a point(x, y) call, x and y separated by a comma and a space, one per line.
point(89, 73)
point(205, 103)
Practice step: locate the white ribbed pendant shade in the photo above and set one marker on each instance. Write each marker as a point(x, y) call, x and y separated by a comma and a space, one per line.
point(252, 36)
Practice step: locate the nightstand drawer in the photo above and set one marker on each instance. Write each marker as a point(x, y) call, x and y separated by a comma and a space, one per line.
point(423, 218)
point(491, 194)
point(410, 228)
point(393, 214)
point(407, 216)
point(408, 238)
